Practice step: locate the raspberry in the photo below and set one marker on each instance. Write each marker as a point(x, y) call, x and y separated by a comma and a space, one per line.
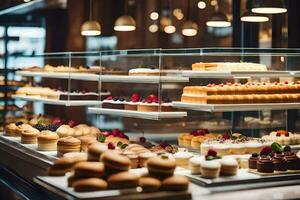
point(71, 123)
point(111, 146)
point(106, 133)
point(226, 136)
point(163, 144)
point(57, 121)
point(211, 152)
point(266, 151)
point(109, 98)
point(287, 134)
point(135, 97)
point(278, 134)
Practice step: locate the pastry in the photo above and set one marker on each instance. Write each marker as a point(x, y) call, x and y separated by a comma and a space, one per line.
point(152, 104)
point(29, 136)
point(265, 164)
point(143, 158)
point(280, 163)
point(61, 166)
point(182, 158)
point(252, 162)
point(115, 163)
point(210, 169)
point(65, 131)
point(133, 102)
point(47, 141)
point(133, 157)
point(228, 66)
point(195, 164)
point(86, 141)
point(89, 169)
point(10, 130)
point(293, 162)
point(76, 156)
point(175, 183)
point(149, 184)
point(115, 136)
point(95, 150)
point(114, 103)
point(229, 166)
point(282, 137)
point(89, 185)
point(123, 180)
point(68, 144)
point(161, 166)
point(144, 72)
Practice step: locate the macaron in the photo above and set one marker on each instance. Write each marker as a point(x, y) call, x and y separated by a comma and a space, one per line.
point(161, 166)
point(149, 184)
point(210, 169)
point(123, 180)
point(89, 169)
point(175, 183)
point(114, 162)
point(95, 150)
point(229, 166)
point(61, 167)
point(89, 185)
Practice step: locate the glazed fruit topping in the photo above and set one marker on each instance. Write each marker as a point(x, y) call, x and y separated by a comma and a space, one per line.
point(276, 147)
point(266, 151)
point(287, 148)
point(226, 136)
point(109, 98)
point(57, 121)
point(135, 97)
point(72, 123)
point(52, 127)
point(200, 132)
point(111, 146)
point(39, 127)
point(152, 99)
point(212, 152)
point(115, 98)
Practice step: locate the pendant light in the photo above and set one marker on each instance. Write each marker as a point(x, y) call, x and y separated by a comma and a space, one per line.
point(252, 17)
point(269, 7)
point(125, 22)
point(189, 28)
point(90, 27)
point(170, 28)
point(218, 19)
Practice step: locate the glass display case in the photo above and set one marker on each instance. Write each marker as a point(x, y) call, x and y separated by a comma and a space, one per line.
point(234, 102)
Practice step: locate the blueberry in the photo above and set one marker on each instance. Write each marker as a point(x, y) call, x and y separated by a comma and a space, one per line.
point(255, 155)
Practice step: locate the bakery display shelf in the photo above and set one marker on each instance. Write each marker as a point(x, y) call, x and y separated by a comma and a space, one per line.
point(57, 102)
point(246, 180)
point(241, 74)
point(105, 78)
point(234, 107)
point(60, 75)
point(137, 114)
point(59, 186)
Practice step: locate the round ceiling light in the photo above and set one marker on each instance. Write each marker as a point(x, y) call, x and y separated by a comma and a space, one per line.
point(90, 28)
point(125, 23)
point(154, 15)
point(189, 28)
point(218, 19)
point(153, 28)
point(251, 17)
point(269, 7)
point(169, 29)
point(201, 4)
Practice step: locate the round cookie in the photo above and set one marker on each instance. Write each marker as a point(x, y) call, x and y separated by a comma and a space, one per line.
point(115, 163)
point(161, 166)
point(89, 169)
point(149, 184)
point(89, 184)
point(95, 150)
point(68, 144)
point(61, 167)
point(76, 156)
point(123, 180)
point(175, 183)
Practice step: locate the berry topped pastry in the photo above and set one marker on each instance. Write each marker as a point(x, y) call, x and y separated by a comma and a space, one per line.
point(132, 103)
point(115, 136)
point(152, 104)
point(283, 137)
point(195, 138)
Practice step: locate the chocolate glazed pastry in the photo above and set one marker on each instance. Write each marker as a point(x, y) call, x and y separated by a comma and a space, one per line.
point(293, 162)
point(253, 161)
point(265, 164)
point(280, 163)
